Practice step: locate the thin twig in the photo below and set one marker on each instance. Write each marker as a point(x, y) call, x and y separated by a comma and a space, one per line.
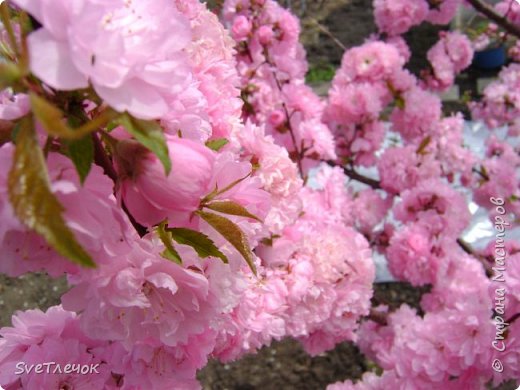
point(354, 175)
point(299, 153)
point(490, 13)
point(6, 21)
point(327, 32)
point(466, 247)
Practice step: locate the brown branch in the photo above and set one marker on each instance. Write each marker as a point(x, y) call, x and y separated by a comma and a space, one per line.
point(490, 13)
point(354, 175)
point(299, 153)
point(351, 173)
point(327, 32)
point(378, 317)
point(466, 247)
point(513, 318)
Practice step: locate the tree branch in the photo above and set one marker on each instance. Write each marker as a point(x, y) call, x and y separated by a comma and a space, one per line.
point(299, 153)
point(327, 32)
point(354, 175)
point(378, 317)
point(502, 21)
point(513, 318)
point(466, 247)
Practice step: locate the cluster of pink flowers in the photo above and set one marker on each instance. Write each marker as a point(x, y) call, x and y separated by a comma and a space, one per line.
point(395, 17)
point(272, 67)
point(211, 234)
point(316, 280)
point(449, 56)
point(371, 80)
point(500, 104)
point(448, 346)
point(151, 321)
point(99, 225)
point(358, 95)
point(497, 176)
point(510, 9)
point(433, 213)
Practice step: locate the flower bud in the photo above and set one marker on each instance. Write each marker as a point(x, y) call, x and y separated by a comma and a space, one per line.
point(150, 195)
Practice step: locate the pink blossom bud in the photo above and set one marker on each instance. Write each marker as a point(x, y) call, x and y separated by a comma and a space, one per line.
point(150, 195)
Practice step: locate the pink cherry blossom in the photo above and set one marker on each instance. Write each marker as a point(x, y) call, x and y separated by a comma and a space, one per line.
point(87, 208)
point(421, 112)
point(443, 11)
point(403, 168)
point(125, 56)
point(413, 255)
point(434, 201)
point(398, 16)
point(53, 336)
point(13, 106)
point(241, 27)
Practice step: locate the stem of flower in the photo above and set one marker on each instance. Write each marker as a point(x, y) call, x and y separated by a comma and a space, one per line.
point(101, 158)
point(6, 21)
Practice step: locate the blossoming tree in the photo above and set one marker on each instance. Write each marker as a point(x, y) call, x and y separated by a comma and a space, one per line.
point(198, 195)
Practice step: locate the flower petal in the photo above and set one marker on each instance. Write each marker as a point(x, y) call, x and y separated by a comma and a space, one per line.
point(51, 62)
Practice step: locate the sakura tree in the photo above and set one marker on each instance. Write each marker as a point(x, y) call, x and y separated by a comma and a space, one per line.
point(203, 201)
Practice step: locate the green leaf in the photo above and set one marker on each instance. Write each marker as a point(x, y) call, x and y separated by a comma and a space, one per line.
point(81, 152)
point(198, 241)
point(216, 192)
point(231, 208)
point(170, 252)
point(51, 118)
point(399, 102)
point(217, 144)
point(150, 135)
point(172, 255)
point(34, 203)
point(231, 233)
point(9, 74)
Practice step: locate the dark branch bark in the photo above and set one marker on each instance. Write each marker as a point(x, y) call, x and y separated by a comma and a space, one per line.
point(513, 318)
point(362, 179)
point(351, 173)
point(378, 317)
point(489, 12)
point(470, 251)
